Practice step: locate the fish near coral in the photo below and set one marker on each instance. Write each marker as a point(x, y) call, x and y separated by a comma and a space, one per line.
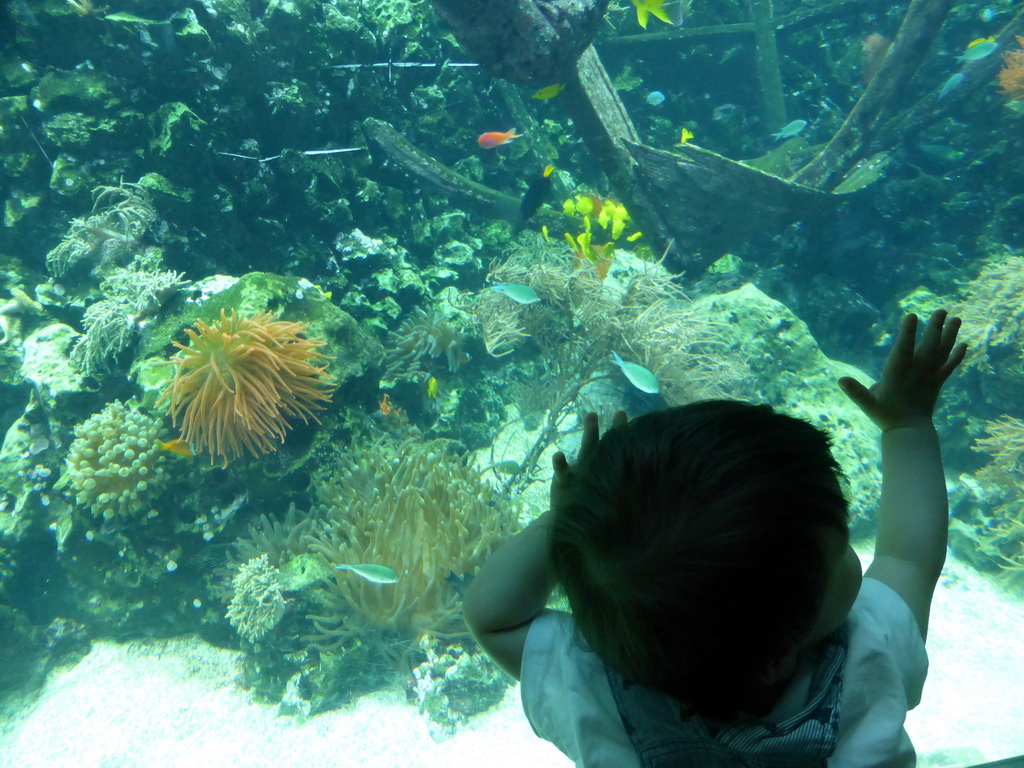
point(519, 293)
point(640, 377)
point(373, 573)
point(176, 446)
point(953, 82)
point(387, 408)
point(493, 139)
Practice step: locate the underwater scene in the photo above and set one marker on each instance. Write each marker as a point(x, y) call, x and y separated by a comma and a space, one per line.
point(299, 298)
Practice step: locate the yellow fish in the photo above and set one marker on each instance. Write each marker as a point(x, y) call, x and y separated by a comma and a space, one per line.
point(979, 41)
point(177, 446)
point(549, 91)
point(647, 8)
point(684, 138)
point(432, 386)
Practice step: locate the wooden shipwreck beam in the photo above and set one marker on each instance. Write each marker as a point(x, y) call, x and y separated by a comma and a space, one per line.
point(705, 203)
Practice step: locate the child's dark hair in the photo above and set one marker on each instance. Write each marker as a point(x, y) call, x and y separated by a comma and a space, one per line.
point(689, 545)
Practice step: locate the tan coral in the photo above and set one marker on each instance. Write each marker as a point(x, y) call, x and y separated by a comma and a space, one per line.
point(422, 512)
point(992, 312)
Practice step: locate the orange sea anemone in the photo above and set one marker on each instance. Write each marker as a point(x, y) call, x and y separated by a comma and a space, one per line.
point(242, 380)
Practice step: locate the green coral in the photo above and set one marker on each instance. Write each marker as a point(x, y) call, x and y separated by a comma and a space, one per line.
point(69, 90)
point(114, 467)
point(171, 123)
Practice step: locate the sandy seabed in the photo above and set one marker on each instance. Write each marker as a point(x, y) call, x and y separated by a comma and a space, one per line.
point(176, 703)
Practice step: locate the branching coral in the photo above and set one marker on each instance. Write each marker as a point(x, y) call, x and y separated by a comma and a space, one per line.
point(242, 380)
point(1005, 443)
point(993, 312)
point(647, 316)
point(1002, 535)
point(114, 467)
point(1011, 76)
point(419, 510)
point(581, 316)
point(686, 352)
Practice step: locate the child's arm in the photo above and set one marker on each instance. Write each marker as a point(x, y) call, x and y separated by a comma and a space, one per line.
point(913, 514)
point(511, 588)
point(514, 585)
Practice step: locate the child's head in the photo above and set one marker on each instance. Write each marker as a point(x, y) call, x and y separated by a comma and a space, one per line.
point(696, 547)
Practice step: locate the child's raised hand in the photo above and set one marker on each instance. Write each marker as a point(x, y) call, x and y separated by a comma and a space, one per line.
point(591, 434)
point(906, 393)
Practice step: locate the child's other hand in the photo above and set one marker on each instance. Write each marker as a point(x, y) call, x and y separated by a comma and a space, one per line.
point(913, 375)
point(591, 434)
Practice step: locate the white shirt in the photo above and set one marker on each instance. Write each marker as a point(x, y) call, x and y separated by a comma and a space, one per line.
point(568, 702)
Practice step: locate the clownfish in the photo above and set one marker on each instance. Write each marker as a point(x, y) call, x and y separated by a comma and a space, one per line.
point(493, 139)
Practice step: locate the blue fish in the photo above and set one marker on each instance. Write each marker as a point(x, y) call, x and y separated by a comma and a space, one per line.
point(953, 82)
point(638, 376)
point(790, 130)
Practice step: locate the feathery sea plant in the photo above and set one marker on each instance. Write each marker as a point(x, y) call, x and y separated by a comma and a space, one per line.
point(241, 382)
point(1011, 76)
point(992, 311)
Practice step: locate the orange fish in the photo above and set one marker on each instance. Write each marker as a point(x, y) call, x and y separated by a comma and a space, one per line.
point(177, 446)
point(493, 139)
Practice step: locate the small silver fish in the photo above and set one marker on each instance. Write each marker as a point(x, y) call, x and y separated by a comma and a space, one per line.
point(519, 293)
point(953, 82)
point(377, 574)
point(655, 98)
point(790, 130)
point(638, 376)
